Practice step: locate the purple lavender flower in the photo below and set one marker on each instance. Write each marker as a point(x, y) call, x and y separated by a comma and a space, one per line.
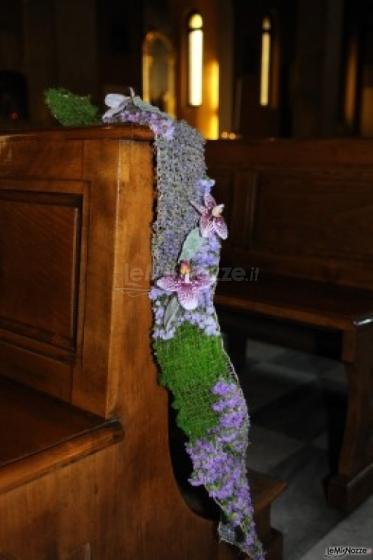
point(232, 402)
point(155, 293)
point(232, 419)
point(222, 388)
point(187, 287)
point(224, 476)
point(205, 185)
point(211, 220)
point(219, 464)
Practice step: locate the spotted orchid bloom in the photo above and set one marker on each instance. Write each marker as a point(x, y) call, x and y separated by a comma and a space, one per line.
point(211, 220)
point(186, 285)
point(116, 103)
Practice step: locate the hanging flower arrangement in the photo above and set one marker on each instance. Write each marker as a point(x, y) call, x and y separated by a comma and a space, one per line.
point(187, 342)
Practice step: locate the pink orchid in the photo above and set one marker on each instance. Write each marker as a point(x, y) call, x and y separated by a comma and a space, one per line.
point(187, 287)
point(211, 220)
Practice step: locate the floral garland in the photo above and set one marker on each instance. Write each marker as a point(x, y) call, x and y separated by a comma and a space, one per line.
point(187, 341)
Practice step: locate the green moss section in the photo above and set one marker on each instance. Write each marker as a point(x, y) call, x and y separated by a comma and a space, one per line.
point(70, 109)
point(191, 363)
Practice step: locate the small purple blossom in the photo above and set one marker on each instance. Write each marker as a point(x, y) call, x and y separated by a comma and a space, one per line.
point(222, 388)
point(223, 404)
point(155, 293)
point(205, 185)
point(232, 419)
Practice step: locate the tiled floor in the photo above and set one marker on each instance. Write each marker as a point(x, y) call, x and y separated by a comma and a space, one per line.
point(297, 402)
point(356, 530)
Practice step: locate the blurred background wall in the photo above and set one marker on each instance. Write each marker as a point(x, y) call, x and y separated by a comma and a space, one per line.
point(290, 68)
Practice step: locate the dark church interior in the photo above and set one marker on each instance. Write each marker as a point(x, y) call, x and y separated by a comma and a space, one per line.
point(93, 465)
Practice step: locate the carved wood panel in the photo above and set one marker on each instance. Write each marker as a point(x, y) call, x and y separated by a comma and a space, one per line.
point(40, 264)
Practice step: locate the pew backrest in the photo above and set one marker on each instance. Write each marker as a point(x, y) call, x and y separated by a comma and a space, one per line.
point(75, 209)
point(298, 208)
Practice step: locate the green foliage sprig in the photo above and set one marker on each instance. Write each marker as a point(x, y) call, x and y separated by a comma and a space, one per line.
point(70, 109)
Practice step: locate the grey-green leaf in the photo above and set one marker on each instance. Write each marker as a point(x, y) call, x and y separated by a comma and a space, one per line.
point(171, 312)
point(143, 106)
point(191, 245)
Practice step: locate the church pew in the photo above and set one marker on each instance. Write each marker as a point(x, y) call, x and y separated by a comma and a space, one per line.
point(300, 217)
point(85, 465)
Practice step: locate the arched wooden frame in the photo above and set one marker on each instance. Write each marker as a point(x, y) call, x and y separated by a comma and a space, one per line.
point(164, 97)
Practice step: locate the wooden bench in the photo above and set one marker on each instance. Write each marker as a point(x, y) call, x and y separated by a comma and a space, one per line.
point(302, 213)
point(85, 467)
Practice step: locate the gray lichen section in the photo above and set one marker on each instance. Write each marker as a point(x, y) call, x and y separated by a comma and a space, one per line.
point(180, 164)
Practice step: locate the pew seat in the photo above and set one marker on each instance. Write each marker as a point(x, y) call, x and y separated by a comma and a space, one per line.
point(343, 318)
point(39, 433)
